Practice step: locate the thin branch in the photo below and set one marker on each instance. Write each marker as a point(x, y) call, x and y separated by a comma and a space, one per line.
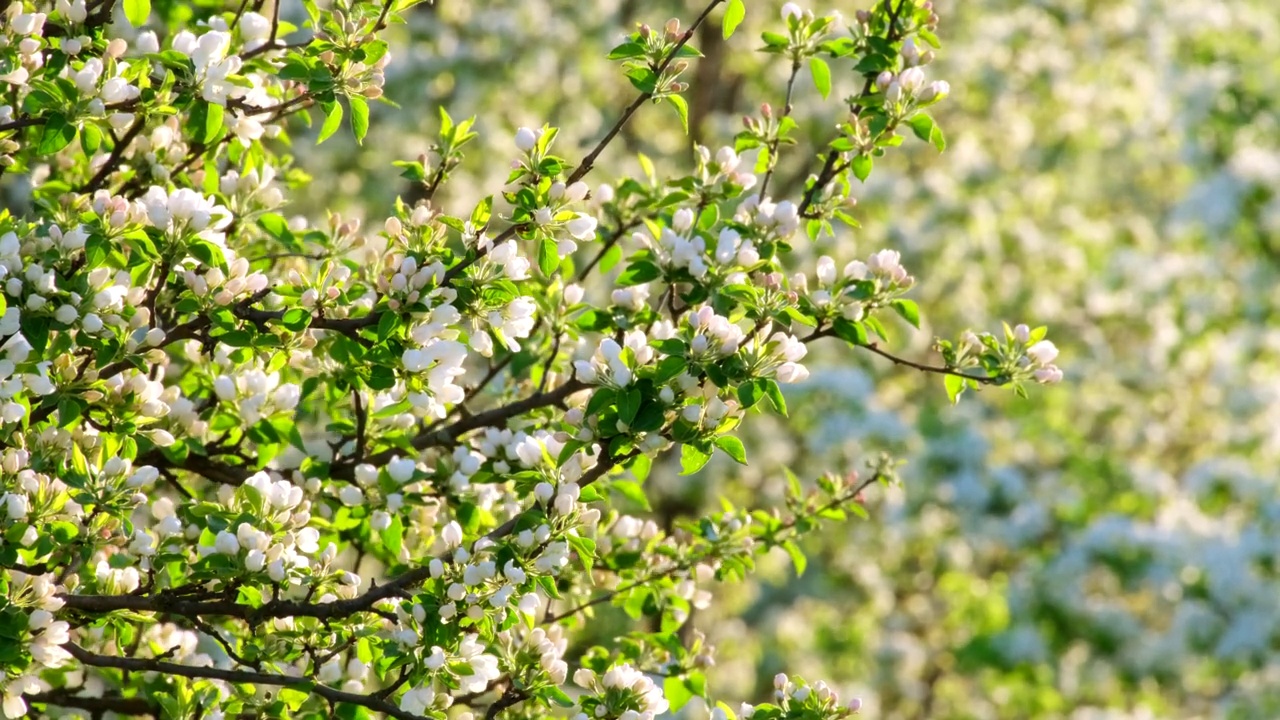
point(117, 154)
point(135, 706)
point(605, 247)
point(546, 367)
point(490, 418)
point(831, 167)
point(511, 697)
point(922, 367)
point(21, 123)
point(169, 602)
point(588, 162)
point(777, 139)
point(236, 676)
point(936, 369)
point(790, 524)
point(362, 422)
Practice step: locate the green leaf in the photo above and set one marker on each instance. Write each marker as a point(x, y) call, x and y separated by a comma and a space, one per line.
point(332, 120)
point(862, 167)
point(922, 125)
point(548, 257)
point(586, 549)
point(393, 536)
point(296, 319)
point(205, 121)
point(774, 391)
point(137, 11)
point(641, 271)
point(90, 138)
point(57, 134)
point(627, 50)
point(955, 387)
point(610, 259)
point(733, 16)
point(557, 696)
point(797, 557)
point(359, 117)
point(387, 325)
point(732, 447)
point(821, 75)
point(631, 491)
point(750, 393)
point(682, 109)
point(677, 692)
point(926, 129)
point(629, 404)
point(692, 459)
point(908, 310)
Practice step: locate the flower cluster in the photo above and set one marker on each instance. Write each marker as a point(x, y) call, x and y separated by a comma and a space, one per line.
point(384, 465)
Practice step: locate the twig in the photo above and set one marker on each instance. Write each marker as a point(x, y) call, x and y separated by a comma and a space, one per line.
point(588, 162)
point(236, 676)
point(117, 154)
point(777, 140)
point(169, 602)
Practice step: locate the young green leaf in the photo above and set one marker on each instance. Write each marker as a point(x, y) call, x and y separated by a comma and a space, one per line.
point(137, 12)
point(821, 75)
point(57, 134)
point(682, 109)
point(908, 310)
point(359, 117)
point(733, 16)
point(332, 120)
point(548, 259)
point(862, 167)
point(732, 447)
point(692, 459)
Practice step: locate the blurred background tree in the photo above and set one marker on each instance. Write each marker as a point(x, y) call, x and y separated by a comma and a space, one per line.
point(1112, 551)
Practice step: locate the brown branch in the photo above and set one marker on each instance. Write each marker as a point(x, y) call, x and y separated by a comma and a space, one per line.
point(922, 367)
point(777, 138)
point(790, 524)
point(21, 123)
point(588, 162)
point(511, 697)
point(135, 706)
point(117, 154)
point(169, 602)
point(605, 247)
point(490, 418)
point(236, 676)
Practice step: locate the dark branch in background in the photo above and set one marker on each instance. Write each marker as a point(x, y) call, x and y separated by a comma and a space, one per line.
point(236, 676)
point(169, 602)
point(20, 123)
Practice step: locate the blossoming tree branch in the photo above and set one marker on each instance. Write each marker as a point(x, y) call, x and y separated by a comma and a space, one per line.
point(257, 467)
